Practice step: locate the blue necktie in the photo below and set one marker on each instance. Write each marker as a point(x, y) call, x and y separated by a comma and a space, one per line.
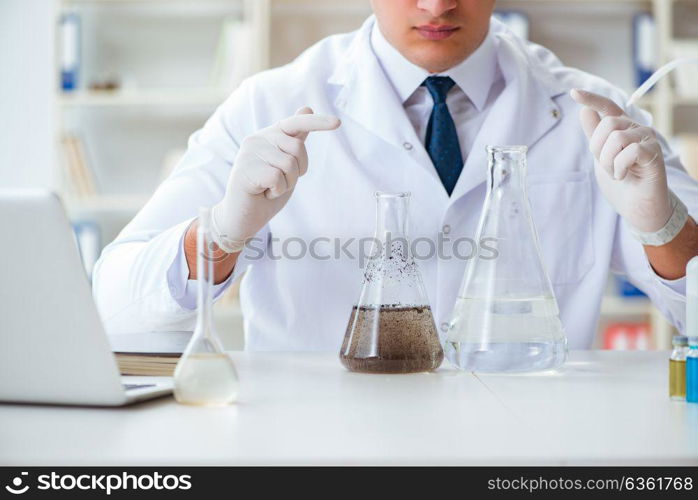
point(442, 139)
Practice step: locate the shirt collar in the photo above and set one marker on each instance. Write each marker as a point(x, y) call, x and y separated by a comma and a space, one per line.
point(474, 76)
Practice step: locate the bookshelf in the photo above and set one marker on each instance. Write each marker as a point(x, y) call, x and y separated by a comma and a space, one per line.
point(156, 110)
point(205, 97)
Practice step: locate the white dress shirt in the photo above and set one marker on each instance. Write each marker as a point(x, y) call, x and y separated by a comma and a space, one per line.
point(478, 80)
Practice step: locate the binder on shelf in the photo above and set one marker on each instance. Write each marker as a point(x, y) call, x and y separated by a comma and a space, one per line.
point(70, 50)
point(627, 336)
point(644, 47)
point(515, 20)
point(627, 289)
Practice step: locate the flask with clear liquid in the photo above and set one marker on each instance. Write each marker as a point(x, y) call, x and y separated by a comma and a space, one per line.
point(506, 317)
point(391, 328)
point(205, 374)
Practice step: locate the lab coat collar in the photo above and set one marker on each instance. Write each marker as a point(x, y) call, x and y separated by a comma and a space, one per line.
point(368, 98)
point(474, 76)
point(523, 113)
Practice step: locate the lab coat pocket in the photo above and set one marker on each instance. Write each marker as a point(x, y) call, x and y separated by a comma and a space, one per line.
point(561, 206)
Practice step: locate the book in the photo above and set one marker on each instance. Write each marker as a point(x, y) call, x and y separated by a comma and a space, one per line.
point(149, 353)
point(78, 177)
point(155, 365)
point(70, 50)
point(627, 336)
point(644, 44)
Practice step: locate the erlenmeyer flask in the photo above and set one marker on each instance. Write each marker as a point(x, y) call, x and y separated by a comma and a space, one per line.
point(506, 317)
point(205, 374)
point(391, 329)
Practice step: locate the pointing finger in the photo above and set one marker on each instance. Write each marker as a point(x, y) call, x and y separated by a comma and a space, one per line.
point(590, 120)
point(602, 105)
point(305, 110)
point(300, 125)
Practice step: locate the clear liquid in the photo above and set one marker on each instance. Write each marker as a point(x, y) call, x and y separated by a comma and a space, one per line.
point(206, 380)
point(506, 335)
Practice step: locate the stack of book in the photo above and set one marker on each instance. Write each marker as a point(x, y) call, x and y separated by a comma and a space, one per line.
point(151, 353)
point(79, 178)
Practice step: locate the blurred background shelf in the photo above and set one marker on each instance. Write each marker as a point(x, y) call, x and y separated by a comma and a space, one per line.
point(145, 97)
point(614, 305)
point(128, 204)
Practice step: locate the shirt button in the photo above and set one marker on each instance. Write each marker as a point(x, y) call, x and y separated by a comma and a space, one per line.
point(444, 326)
point(407, 146)
point(446, 229)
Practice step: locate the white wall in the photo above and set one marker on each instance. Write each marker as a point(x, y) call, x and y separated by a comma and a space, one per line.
point(27, 87)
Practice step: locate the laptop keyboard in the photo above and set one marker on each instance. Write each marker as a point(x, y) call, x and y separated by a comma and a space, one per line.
point(130, 387)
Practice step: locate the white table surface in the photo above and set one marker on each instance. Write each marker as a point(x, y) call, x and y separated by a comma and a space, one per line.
point(305, 408)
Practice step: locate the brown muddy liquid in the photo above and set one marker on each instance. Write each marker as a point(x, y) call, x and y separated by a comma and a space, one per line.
point(391, 339)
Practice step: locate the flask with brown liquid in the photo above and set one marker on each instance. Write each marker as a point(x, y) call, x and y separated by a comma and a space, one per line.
point(391, 328)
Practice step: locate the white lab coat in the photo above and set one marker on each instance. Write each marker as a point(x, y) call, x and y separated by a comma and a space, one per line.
point(305, 304)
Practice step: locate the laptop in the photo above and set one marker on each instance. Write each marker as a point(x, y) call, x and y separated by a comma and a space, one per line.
point(53, 346)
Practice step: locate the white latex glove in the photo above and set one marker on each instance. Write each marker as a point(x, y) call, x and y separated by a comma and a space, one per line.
point(629, 163)
point(263, 177)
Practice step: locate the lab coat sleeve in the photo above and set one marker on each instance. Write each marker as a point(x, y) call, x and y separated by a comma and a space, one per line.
point(140, 282)
point(629, 257)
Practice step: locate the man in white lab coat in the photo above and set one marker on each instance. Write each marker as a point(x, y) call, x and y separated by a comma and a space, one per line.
point(420, 90)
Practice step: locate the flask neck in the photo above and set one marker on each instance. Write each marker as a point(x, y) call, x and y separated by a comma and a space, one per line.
point(204, 272)
point(391, 215)
point(507, 169)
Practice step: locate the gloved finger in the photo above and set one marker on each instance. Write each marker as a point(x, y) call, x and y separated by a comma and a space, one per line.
point(617, 141)
point(637, 156)
point(624, 160)
point(604, 129)
point(275, 157)
point(273, 179)
point(602, 105)
point(590, 120)
point(301, 124)
point(292, 146)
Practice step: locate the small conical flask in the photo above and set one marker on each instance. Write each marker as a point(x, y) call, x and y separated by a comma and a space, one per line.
point(506, 317)
point(391, 329)
point(205, 374)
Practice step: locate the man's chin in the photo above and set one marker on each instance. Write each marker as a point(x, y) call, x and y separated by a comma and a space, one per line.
point(436, 59)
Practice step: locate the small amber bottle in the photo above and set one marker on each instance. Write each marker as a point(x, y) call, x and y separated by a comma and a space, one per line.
point(677, 368)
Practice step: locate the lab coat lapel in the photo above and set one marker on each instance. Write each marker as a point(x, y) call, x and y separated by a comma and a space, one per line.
point(368, 98)
point(524, 112)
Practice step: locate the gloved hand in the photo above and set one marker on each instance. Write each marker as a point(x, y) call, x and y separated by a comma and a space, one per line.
point(630, 164)
point(263, 177)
